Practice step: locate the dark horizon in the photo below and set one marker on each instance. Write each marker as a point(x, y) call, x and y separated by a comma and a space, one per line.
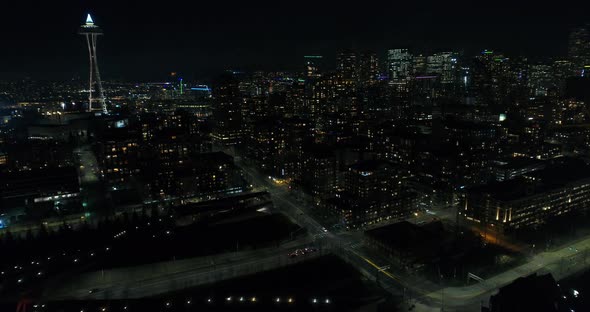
point(146, 42)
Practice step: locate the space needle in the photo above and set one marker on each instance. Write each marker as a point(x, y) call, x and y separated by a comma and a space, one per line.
point(91, 31)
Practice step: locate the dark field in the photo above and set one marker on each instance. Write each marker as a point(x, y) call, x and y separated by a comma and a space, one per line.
point(332, 283)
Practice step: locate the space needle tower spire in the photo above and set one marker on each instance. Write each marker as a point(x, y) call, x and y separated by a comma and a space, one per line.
point(91, 31)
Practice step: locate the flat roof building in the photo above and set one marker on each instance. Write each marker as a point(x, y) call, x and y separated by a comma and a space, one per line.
point(530, 199)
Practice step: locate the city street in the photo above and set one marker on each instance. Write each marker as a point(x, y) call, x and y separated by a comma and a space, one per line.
point(403, 156)
point(428, 295)
point(157, 278)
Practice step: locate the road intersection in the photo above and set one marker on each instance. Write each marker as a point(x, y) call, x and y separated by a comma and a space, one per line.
point(424, 294)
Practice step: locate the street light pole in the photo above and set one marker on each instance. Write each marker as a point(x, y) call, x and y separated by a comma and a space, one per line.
point(442, 295)
point(442, 299)
point(380, 270)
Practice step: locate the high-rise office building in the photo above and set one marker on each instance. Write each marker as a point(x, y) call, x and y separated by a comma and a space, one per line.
point(541, 79)
point(346, 72)
point(443, 64)
point(491, 73)
point(579, 48)
point(419, 65)
point(399, 63)
point(562, 69)
point(312, 66)
point(368, 71)
point(346, 64)
point(228, 111)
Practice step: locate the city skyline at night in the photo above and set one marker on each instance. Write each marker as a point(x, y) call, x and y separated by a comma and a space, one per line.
point(304, 156)
point(197, 41)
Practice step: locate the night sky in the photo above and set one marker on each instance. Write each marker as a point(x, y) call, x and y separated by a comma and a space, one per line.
point(145, 40)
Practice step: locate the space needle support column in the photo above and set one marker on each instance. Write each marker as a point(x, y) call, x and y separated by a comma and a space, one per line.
point(91, 74)
point(98, 81)
point(91, 32)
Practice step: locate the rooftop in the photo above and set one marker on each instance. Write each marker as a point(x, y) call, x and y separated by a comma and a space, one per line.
point(530, 293)
point(369, 165)
point(521, 162)
point(404, 235)
point(552, 177)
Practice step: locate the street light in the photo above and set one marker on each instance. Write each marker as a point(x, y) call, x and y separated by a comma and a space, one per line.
point(442, 295)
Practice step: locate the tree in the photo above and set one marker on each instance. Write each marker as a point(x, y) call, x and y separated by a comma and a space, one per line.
point(29, 237)
point(155, 213)
point(43, 233)
point(135, 217)
point(8, 238)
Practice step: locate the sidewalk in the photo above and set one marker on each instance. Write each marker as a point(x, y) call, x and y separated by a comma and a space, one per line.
point(561, 263)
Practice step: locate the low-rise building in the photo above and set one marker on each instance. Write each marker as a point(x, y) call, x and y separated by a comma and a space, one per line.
point(408, 245)
point(38, 193)
point(529, 200)
point(529, 293)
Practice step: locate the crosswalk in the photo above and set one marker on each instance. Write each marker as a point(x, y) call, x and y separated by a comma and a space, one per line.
point(356, 245)
point(320, 235)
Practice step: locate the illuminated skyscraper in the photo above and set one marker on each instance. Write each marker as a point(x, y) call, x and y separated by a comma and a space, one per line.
point(312, 66)
point(562, 69)
point(229, 110)
point(419, 65)
point(91, 32)
point(491, 79)
point(346, 72)
point(443, 64)
point(399, 63)
point(541, 79)
point(346, 65)
point(368, 72)
point(579, 49)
